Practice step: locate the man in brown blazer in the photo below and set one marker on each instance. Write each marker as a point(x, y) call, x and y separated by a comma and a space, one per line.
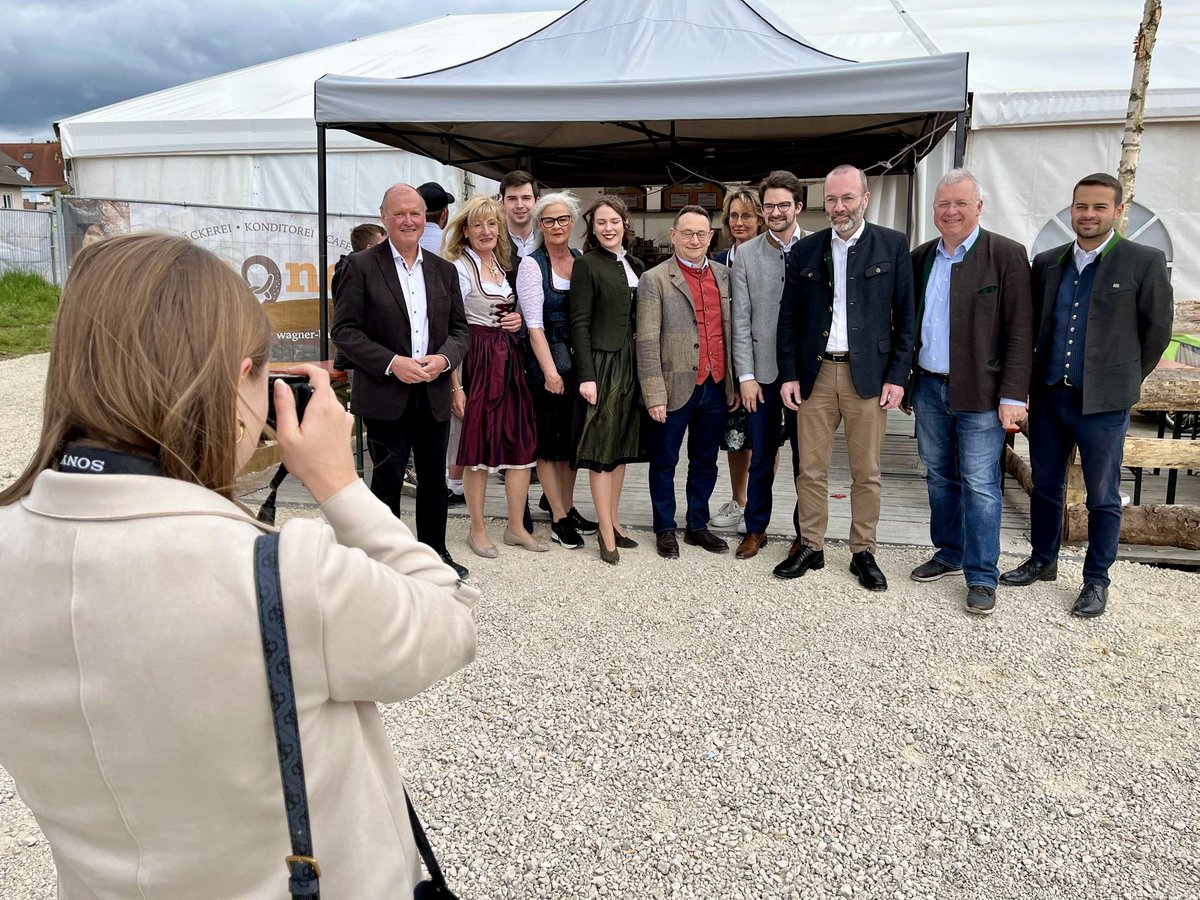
point(686, 374)
point(973, 358)
point(399, 319)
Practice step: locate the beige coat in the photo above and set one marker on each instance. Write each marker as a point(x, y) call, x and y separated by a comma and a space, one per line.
point(133, 704)
point(668, 348)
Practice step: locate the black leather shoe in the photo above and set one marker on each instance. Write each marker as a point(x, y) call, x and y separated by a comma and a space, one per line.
point(1030, 571)
point(453, 499)
point(582, 525)
point(462, 571)
point(800, 562)
point(544, 503)
point(981, 600)
point(563, 533)
point(705, 539)
point(527, 519)
point(1090, 602)
point(869, 574)
point(667, 545)
point(933, 570)
point(623, 542)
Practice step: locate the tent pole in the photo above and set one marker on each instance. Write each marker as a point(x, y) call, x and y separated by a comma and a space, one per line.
point(912, 193)
point(960, 139)
point(323, 248)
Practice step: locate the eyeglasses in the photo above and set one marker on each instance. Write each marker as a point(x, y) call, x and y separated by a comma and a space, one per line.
point(744, 217)
point(560, 221)
point(479, 226)
point(782, 207)
point(845, 200)
point(689, 235)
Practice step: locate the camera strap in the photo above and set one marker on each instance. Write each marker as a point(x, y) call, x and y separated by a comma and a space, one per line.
point(84, 459)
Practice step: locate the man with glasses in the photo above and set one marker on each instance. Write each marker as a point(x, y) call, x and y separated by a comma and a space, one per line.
point(686, 377)
point(845, 351)
point(757, 286)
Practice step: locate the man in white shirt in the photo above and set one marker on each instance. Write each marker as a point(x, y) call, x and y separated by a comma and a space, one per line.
point(400, 320)
point(518, 196)
point(437, 214)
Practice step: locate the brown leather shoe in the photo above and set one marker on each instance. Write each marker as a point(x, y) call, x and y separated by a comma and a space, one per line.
point(750, 545)
point(667, 545)
point(705, 539)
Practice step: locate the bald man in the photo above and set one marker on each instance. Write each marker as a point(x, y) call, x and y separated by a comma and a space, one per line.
point(399, 319)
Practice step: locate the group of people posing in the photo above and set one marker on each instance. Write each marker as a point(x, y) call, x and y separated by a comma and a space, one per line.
point(542, 354)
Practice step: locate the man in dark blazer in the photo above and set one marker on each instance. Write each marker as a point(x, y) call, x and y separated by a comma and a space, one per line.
point(974, 350)
point(845, 350)
point(1102, 307)
point(399, 319)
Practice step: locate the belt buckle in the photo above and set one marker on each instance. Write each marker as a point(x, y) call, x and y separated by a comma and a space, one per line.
point(1068, 382)
point(289, 860)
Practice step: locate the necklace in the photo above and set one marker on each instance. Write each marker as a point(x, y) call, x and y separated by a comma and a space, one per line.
point(493, 268)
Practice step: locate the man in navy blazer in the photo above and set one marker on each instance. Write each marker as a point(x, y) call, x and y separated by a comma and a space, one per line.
point(399, 319)
point(845, 350)
point(1102, 310)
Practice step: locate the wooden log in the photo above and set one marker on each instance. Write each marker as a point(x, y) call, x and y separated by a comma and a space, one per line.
point(1164, 453)
point(1187, 317)
point(1018, 469)
point(1158, 524)
point(1175, 388)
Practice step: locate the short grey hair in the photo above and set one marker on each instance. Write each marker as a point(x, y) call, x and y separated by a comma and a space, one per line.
point(958, 176)
point(846, 170)
point(566, 198)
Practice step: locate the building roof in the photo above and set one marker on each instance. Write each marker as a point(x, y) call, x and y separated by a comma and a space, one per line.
point(10, 176)
point(44, 162)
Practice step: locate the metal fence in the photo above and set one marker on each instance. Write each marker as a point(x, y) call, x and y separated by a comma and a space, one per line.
point(27, 242)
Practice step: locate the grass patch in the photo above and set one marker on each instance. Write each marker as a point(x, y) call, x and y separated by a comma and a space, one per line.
point(27, 306)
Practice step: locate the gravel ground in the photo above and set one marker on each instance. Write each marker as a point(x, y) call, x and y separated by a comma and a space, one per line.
point(699, 729)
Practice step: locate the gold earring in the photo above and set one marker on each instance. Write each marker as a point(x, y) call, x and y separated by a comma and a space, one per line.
point(241, 431)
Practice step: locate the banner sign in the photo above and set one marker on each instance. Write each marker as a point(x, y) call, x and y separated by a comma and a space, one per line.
point(275, 252)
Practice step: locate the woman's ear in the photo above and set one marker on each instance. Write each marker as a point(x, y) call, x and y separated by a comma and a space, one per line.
point(244, 368)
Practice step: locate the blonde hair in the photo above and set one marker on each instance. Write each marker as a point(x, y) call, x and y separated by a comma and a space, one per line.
point(475, 210)
point(749, 197)
point(147, 343)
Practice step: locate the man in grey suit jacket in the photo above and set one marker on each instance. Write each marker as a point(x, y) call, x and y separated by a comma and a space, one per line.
point(757, 286)
point(1102, 312)
point(684, 369)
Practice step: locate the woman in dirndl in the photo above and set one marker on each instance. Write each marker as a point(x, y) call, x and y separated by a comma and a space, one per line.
point(498, 431)
point(603, 305)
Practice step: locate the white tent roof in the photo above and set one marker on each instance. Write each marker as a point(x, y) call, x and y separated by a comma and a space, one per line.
point(1032, 62)
point(628, 100)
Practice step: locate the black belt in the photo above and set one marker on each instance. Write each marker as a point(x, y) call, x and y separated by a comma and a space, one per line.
point(940, 376)
point(836, 357)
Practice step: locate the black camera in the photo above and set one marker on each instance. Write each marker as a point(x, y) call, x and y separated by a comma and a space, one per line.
point(301, 391)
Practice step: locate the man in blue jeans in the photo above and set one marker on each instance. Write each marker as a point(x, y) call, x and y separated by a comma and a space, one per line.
point(1102, 312)
point(686, 377)
point(973, 358)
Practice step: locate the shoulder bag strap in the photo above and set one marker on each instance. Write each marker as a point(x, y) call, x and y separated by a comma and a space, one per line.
point(303, 871)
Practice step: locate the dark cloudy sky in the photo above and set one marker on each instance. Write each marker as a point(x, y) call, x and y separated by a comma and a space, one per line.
point(63, 57)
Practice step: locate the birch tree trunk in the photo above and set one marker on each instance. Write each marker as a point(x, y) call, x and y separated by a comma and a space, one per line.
point(1131, 142)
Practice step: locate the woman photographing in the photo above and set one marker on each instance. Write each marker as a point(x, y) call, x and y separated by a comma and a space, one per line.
point(133, 690)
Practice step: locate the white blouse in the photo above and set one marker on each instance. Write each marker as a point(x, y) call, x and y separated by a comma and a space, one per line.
point(530, 296)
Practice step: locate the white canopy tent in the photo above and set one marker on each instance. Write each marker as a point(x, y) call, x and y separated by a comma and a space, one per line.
point(1050, 85)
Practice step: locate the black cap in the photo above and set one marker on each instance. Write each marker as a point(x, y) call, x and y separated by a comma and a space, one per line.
point(435, 196)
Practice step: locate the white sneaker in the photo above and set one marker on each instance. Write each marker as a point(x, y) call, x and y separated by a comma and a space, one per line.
point(728, 515)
